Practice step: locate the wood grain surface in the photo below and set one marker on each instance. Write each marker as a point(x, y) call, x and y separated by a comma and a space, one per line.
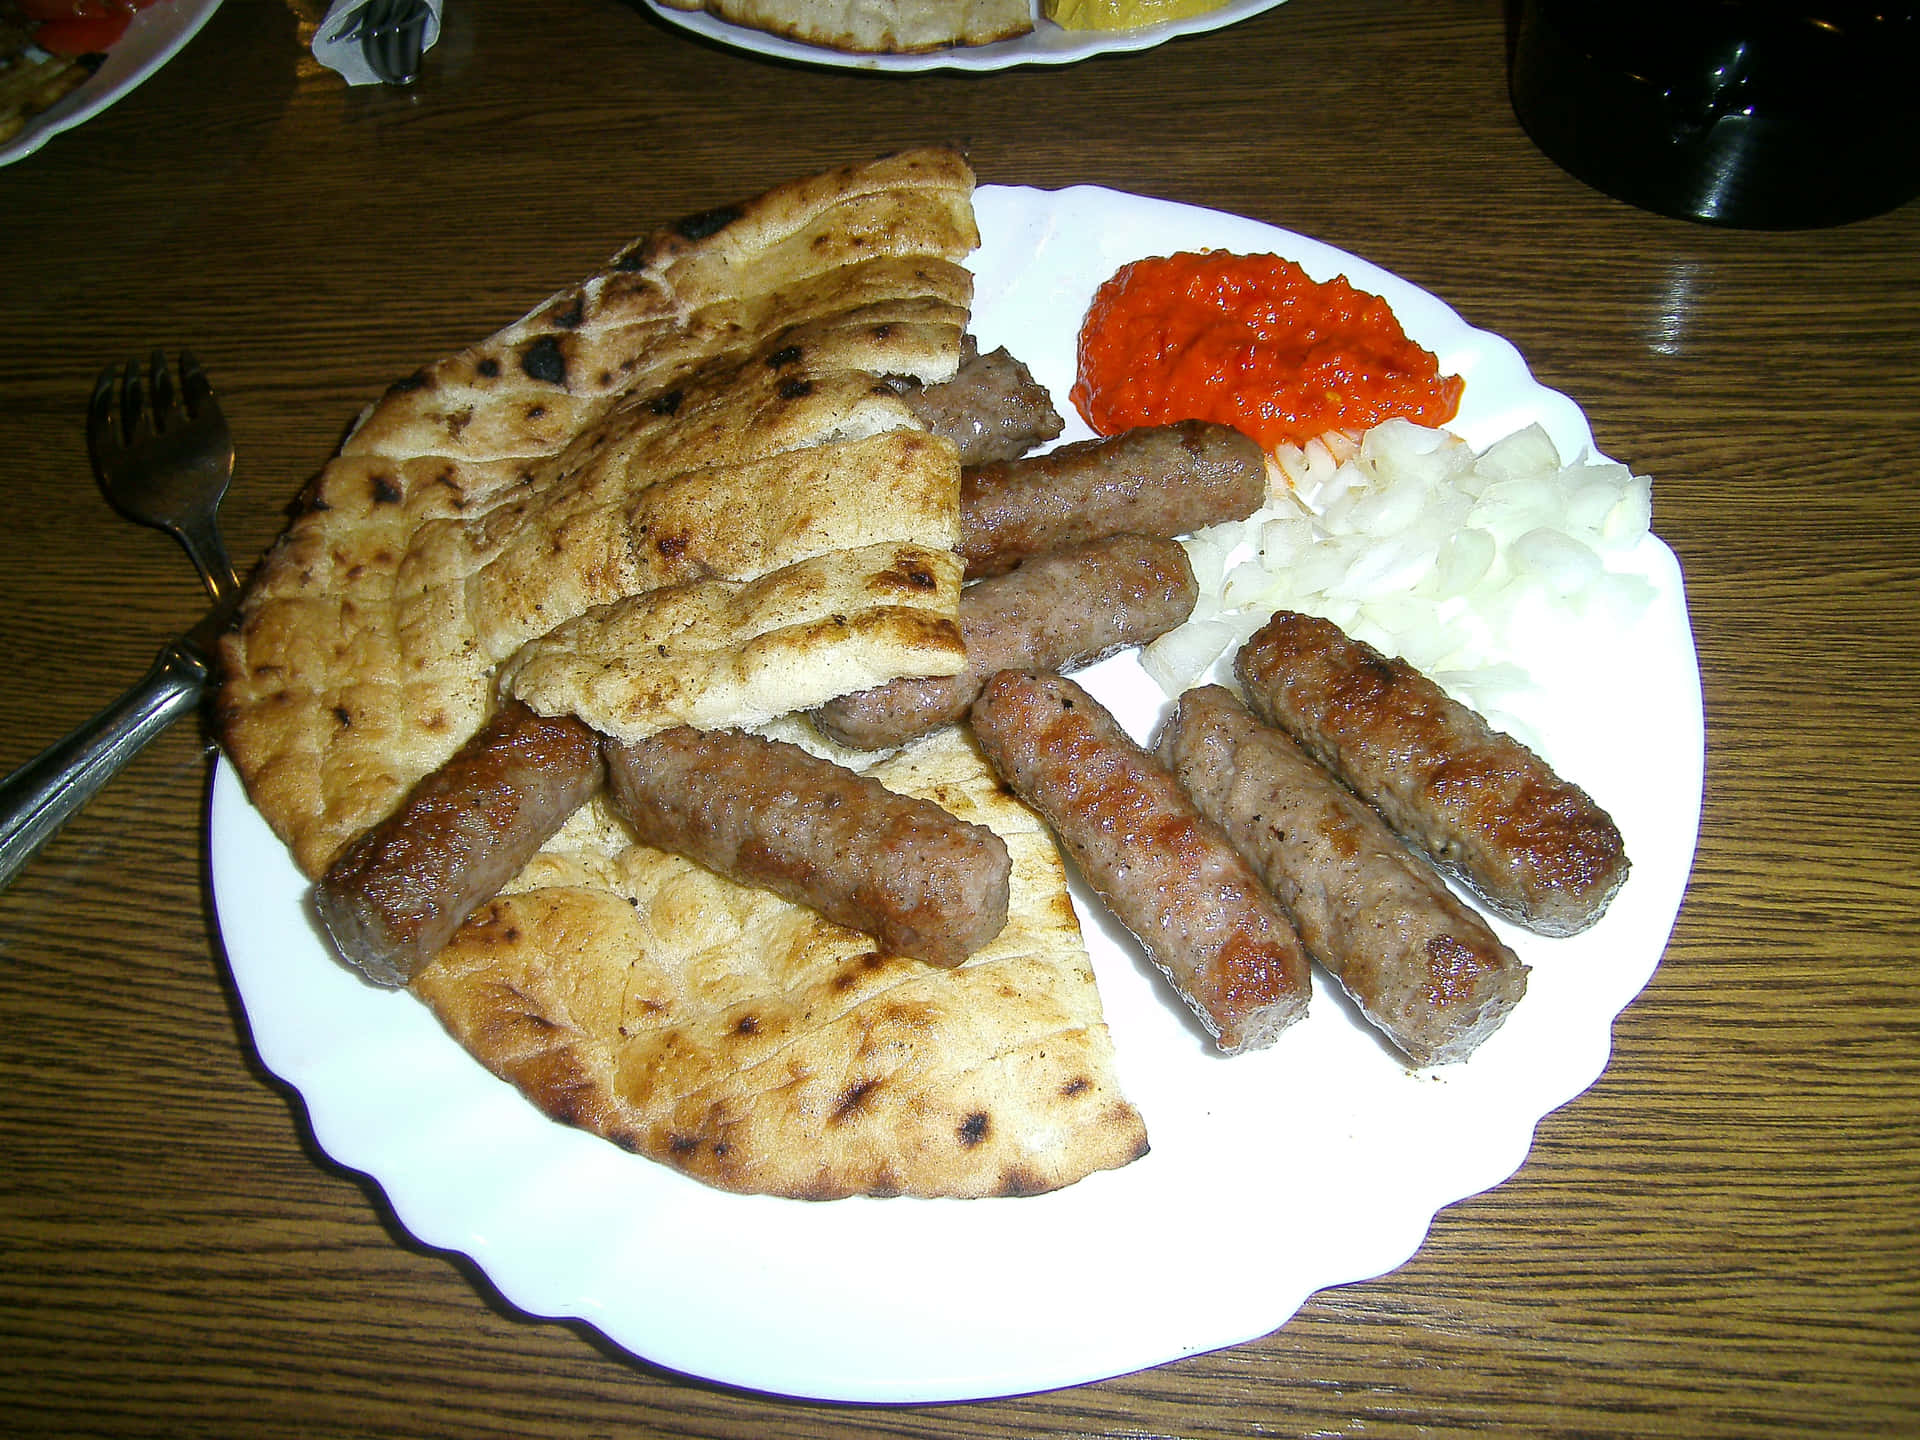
point(1721, 1238)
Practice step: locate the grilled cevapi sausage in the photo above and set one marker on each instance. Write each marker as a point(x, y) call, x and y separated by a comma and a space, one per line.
point(1167, 872)
point(992, 408)
point(1418, 961)
point(1158, 480)
point(1483, 807)
point(395, 895)
point(1060, 611)
point(762, 812)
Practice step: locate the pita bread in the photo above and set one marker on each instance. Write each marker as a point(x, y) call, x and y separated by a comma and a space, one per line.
point(748, 1042)
point(477, 505)
point(679, 492)
point(876, 27)
point(722, 654)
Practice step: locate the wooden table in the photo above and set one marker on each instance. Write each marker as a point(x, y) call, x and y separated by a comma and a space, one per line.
point(1721, 1238)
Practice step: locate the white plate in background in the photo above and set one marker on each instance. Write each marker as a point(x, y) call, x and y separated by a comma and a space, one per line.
point(154, 37)
point(1047, 44)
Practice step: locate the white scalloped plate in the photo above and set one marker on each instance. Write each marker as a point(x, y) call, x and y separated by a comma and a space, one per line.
point(1318, 1162)
point(1047, 44)
point(155, 37)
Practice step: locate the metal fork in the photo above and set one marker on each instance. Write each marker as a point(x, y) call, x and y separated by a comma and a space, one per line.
point(46, 792)
point(164, 456)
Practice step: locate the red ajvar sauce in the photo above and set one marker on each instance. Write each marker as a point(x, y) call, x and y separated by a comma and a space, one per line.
point(1250, 341)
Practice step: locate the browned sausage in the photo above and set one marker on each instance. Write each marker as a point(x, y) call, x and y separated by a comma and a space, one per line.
point(395, 895)
point(1159, 480)
point(762, 812)
point(1484, 807)
point(1418, 962)
point(992, 408)
point(1058, 611)
point(1166, 871)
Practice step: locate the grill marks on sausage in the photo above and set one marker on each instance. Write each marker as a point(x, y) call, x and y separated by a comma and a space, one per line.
point(1167, 872)
point(1419, 964)
point(920, 881)
point(395, 896)
point(1480, 804)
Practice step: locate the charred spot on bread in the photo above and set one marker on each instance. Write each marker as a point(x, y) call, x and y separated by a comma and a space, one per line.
point(786, 355)
point(975, 1128)
point(853, 1099)
point(862, 965)
point(1018, 1181)
point(706, 223)
point(545, 361)
point(917, 576)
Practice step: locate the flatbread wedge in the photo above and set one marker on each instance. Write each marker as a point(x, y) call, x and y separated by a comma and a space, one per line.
point(682, 492)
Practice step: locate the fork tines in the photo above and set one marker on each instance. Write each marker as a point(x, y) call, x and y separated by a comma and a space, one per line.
point(127, 404)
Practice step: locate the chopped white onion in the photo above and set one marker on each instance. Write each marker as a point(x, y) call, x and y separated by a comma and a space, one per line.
point(1207, 553)
point(1464, 561)
point(1555, 559)
point(1410, 541)
point(1524, 455)
point(1632, 517)
point(1178, 659)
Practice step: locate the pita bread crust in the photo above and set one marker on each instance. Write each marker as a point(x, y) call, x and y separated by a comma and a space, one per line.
point(736, 520)
point(877, 26)
point(744, 1040)
point(423, 554)
point(670, 302)
point(719, 653)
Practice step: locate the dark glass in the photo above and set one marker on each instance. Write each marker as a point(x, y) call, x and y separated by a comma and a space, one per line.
point(1734, 112)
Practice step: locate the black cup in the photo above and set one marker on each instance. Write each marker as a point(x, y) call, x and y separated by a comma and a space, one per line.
point(1769, 116)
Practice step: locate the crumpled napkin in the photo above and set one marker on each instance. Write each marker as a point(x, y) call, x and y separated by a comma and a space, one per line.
point(344, 55)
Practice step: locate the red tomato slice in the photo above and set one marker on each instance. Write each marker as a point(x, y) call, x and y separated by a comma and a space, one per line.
point(77, 36)
point(70, 9)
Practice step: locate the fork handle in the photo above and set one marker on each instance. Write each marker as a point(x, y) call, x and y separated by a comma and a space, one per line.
point(47, 791)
